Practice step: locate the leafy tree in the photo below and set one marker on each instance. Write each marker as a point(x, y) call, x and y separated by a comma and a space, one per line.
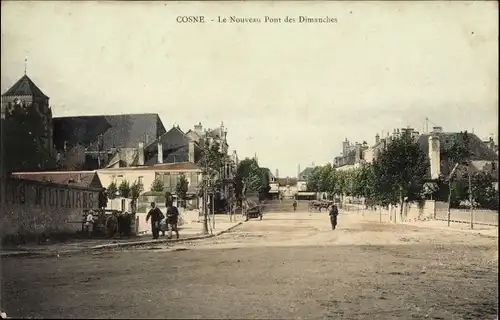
point(249, 178)
point(182, 188)
point(124, 189)
point(25, 146)
point(484, 194)
point(135, 191)
point(157, 185)
point(400, 171)
point(314, 180)
point(111, 190)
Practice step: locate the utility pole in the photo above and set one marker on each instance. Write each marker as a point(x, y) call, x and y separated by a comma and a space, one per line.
point(3, 176)
point(205, 184)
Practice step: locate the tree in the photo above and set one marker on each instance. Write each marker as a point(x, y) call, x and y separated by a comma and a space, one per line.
point(157, 185)
point(135, 191)
point(484, 194)
point(111, 190)
point(25, 146)
point(182, 188)
point(400, 171)
point(124, 189)
point(314, 180)
point(249, 178)
point(456, 155)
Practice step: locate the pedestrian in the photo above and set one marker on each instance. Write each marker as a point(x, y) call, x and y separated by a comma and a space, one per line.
point(294, 205)
point(334, 212)
point(155, 214)
point(172, 220)
point(89, 223)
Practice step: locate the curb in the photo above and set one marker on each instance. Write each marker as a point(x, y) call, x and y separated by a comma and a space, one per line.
point(117, 245)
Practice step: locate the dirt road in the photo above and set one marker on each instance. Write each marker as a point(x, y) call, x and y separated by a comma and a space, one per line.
point(289, 265)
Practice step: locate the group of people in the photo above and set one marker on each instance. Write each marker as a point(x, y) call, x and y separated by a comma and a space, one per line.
point(163, 223)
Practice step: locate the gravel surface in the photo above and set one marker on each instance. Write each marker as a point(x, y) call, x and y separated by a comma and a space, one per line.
point(289, 265)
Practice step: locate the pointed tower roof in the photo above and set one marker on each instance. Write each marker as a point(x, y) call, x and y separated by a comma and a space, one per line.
point(25, 87)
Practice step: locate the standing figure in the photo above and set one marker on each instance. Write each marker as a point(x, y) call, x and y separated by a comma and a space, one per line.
point(89, 223)
point(172, 220)
point(156, 215)
point(294, 205)
point(334, 212)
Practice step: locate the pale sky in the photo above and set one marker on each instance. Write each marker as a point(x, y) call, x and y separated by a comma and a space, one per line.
point(289, 92)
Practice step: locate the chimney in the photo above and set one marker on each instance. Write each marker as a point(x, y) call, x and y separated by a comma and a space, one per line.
point(140, 150)
point(435, 156)
point(345, 147)
point(160, 152)
point(298, 171)
point(377, 138)
point(357, 148)
point(198, 128)
point(191, 152)
point(277, 173)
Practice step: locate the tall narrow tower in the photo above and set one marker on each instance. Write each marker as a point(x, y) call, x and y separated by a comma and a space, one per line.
point(25, 93)
point(298, 171)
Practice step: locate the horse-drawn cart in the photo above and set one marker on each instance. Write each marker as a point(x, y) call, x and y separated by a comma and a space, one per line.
point(316, 205)
point(253, 210)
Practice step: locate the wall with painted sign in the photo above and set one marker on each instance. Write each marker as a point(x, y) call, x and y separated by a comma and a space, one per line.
point(33, 207)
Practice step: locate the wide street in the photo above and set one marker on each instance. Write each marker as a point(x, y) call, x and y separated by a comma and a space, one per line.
point(289, 265)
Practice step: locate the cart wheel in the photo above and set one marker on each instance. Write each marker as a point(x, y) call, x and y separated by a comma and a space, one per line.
point(110, 226)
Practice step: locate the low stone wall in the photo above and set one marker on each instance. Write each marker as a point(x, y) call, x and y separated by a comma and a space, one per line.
point(32, 208)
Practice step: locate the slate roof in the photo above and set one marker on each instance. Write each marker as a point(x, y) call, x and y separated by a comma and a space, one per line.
point(25, 87)
point(118, 131)
point(76, 178)
point(172, 141)
point(479, 150)
point(306, 172)
point(286, 181)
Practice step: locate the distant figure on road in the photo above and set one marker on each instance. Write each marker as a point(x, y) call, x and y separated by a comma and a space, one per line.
point(334, 212)
point(156, 215)
point(294, 205)
point(172, 220)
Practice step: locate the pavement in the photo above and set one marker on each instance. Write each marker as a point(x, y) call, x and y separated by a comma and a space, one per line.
point(190, 231)
point(484, 230)
point(287, 266)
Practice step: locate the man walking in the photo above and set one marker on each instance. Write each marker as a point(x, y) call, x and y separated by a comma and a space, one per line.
point(334, 212)
point(294, 205)
point(172, 220)
point(156, 215)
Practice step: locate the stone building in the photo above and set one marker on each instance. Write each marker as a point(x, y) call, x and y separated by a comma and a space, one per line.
point(25, 94)
point(103, 141)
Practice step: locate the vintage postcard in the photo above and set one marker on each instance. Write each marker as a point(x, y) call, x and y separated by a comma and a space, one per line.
point(249, 159)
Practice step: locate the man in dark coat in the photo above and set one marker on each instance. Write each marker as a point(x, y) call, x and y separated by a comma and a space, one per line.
point(334, 212)
point(172, 220)
point(156, 215)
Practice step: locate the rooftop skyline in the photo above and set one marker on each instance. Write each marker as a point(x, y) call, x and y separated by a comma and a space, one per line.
point(290, 93)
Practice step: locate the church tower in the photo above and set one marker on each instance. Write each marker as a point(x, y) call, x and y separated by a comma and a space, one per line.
point(25, 94)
